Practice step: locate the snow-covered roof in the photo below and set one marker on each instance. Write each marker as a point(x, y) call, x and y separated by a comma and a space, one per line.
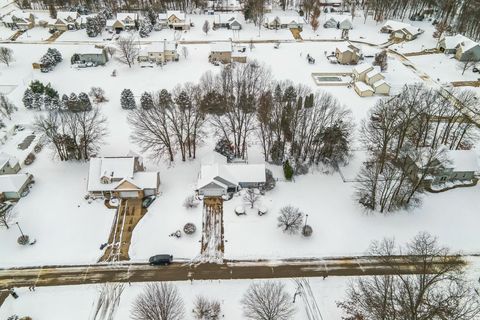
point(451, 42)
point(215, 169)
point(119, 169)
point(64, 15)
point(225, 17)
point(468, 45)
point(7, 159)
point(124, 15)
point(395, 25)
point(346, 46)
point(380, 83)
point(177, 13)
point(361, 68)
point(20, 14)
point(463, 160)
point(373, 73)
point(13, 182)
point(110, 22)
point(88, 50)
point(221, 47)
point(270, 18)
point(362, 86)
point(159, 47)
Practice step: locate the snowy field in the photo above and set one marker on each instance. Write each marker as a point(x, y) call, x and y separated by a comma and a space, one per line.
point(58, 302)
point(69, 230)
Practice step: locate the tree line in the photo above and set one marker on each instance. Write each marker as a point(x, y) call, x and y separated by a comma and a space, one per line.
point(243, 105)
point(406, 137)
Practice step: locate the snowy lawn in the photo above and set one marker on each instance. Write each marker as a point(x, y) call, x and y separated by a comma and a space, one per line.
point(56, 214)
point(443, 68)
point(58, 302)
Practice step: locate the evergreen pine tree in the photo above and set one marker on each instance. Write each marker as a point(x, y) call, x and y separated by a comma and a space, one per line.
point(287, 170)
point(127, 100)
point(73, 103)
point(145, 28)
point(64, 102)
point(28, 98)
point(37, 101)
point(57, 56)
point(84, 101)
point(37, 87)
point(146, 101)
point(91, 27)
point(152, 15)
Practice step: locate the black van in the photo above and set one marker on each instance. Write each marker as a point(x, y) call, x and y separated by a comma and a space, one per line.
point(161, 259)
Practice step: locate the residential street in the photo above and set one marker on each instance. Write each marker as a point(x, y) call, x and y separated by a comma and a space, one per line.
point(138, 272)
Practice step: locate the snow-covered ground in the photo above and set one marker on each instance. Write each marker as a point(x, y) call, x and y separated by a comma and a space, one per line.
point(69, 230)
point(59, 302)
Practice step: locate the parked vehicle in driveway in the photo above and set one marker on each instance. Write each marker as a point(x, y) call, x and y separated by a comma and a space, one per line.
point(160, 259)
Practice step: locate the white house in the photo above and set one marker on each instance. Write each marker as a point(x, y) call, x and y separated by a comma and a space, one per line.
point(66, 20)
point(400, 30)
point(174, 19)
point(218, 178)
point(124, 21)
point(363, 89)
point(449, 44)
point(122, 177)
point(159, 52)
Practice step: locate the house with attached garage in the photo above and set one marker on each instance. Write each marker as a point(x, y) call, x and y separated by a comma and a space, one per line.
point(159, 53)
point(458, 166)
point(400, 30)
point(66, 21)
point(124, 21)
point(121, 177)
point(363, 89)
point(8, 164)
point(96, 56)
point(449, 44)
point(468, 51)
point(226, 20)
point(19, 20)
point(15, 186)
point(219, 178)
point(174, 19)
point(226, 52)
point(272, 21)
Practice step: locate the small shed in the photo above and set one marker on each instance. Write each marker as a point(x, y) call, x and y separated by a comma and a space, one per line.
point(221, 52)
point(97, 56)
point(363, 89)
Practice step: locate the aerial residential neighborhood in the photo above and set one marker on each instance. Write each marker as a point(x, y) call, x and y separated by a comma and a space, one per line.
point(239, 159)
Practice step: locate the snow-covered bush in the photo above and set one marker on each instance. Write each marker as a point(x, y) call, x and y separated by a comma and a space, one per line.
point(189, 228)
point(98, 94)
point(29, 159)
point(288, 170)
point(190, 202)
point(307, 231)
point(23, 240)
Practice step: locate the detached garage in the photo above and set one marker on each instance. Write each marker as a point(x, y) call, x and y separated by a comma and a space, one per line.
point(363, 89)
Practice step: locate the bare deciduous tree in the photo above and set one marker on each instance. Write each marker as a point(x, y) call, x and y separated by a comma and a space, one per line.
point(6, 55)
point(127, 50)
point(443, 294)
point(185, 52)
point(108, 301)
point(290, 219)
point(204, 309)
point(158, 301)
point(206, 27)
point(251, 197)
point(6, 106)
point(190, 202)
point(267, 301)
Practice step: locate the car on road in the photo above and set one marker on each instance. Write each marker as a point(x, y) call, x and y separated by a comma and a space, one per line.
point(160, 259)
